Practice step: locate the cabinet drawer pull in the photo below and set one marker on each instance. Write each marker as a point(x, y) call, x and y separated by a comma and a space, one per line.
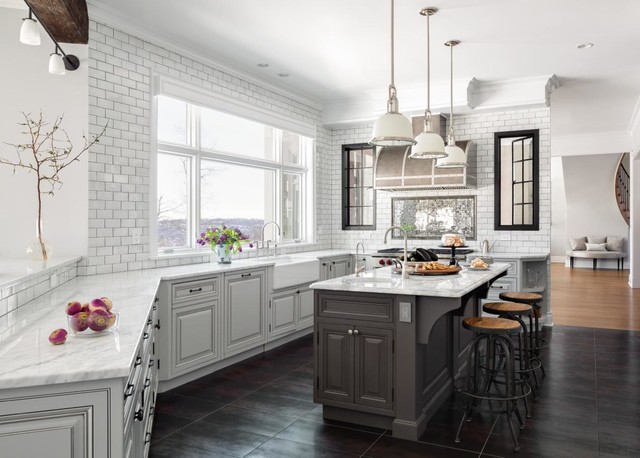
point(147, 382)
point(350, 332)
point(298, 292)
point(149, 321)
point(152, 411)
point(152, 362)
point(356, 332)
point(138, 361)
point(246, 275)
point(147, 438)
point(195, 290)
point(158, 325)
point(498, 287)
point(145, 336)
point(139, 415)
point(131, 388)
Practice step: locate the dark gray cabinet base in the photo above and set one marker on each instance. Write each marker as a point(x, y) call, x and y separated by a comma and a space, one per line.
point(390, 374)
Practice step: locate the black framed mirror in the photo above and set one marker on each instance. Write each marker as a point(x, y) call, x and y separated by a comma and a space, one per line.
point(516, 174)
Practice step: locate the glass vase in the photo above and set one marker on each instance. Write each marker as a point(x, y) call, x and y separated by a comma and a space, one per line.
point(39, 249)
point(223, 253)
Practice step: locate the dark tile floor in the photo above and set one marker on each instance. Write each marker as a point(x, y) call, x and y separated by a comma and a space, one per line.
point(589, 406)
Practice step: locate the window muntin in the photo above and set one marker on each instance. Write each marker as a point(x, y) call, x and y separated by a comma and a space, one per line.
point(242, 173)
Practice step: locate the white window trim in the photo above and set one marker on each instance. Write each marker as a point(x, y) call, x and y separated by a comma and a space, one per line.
point(164, 85)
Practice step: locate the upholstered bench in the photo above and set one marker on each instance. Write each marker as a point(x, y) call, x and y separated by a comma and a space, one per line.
point(609, 247)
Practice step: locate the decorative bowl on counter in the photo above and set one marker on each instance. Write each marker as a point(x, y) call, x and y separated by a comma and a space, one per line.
point(94, 324)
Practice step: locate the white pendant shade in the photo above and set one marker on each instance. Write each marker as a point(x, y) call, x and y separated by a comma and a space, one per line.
point(392, 129)
point(455, 158)
point(29, 32)
point(56, 65)
point(429, 145)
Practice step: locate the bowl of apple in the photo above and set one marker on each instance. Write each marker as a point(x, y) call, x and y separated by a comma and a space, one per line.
point(92, 319)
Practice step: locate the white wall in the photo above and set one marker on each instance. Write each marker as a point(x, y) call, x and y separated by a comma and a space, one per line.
point(590, 199)
point(480, 128)
point(558, 212)
point(27, 86)
point(634, 277)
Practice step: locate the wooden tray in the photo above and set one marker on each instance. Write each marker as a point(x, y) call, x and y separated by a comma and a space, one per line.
point(411, 271)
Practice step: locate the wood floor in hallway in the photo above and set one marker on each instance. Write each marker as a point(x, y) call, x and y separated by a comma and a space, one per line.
point(594, 298)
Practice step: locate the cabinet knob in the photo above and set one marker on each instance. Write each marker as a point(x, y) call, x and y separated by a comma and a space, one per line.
point(139, 415)
point(356, 332)
point(158, 325)
point(138, 361)
point(131, 388)
point(350, 332)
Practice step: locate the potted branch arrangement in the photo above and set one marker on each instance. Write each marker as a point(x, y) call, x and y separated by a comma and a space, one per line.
point(47, 151)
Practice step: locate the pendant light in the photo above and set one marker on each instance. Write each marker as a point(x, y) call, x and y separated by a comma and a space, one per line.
point(455, 156)
point(29, 33)
point(56, 64)
point(392, 128)
point(429, 145)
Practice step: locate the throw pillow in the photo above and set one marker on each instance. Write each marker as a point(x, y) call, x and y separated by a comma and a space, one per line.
point(614, 243)
point(578, 244)
point(596, 247)
point(596, 239)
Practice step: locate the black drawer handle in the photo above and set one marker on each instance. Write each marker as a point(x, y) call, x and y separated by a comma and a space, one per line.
point(246, 275)
point(139, 415)
point(152, 362)
point(131, 388)
point(145, 336)
point(298, 292)
point(158, 325)
point(147, 382)
point(138, 361)
point(147, 438)
point(498, 287)
point(195, 290)
point(149, 321)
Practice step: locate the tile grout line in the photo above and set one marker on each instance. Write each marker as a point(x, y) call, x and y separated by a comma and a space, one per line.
point(364, 454)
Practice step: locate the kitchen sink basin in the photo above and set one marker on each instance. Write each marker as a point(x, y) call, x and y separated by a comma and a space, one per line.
point(291, 270)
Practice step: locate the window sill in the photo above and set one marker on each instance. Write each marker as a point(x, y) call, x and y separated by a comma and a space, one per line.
point(246, 252)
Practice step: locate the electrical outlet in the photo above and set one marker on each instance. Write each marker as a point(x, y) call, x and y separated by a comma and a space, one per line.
point(405, 312)
point(136, 235)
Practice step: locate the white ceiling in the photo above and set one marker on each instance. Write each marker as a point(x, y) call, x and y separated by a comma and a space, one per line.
point(337, 51)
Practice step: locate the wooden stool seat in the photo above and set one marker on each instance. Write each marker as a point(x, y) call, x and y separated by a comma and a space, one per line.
point(490, 325)
point(523, 298)
point(499, 308)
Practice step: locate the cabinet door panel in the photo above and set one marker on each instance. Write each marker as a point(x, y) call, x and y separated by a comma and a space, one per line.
point(305, 308)
point(244, 311)
point(335, 363)
point(283, 314)
point(341, 268)
point(373, 367)
point(195, 336)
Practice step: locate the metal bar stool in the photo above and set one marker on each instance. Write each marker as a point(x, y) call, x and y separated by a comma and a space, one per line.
point(528, 362)
point(491, 375)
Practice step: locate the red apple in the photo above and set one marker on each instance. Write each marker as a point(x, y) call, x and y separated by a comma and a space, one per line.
point(58, 337)
point(79, 322)
point(73, 308)
point(99, 319)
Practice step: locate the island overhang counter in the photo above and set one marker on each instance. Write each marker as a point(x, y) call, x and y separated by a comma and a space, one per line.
point(388, 349)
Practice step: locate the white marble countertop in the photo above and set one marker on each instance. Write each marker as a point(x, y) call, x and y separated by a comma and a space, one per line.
point(383, 281)
point(28, 359)
point(19, 270)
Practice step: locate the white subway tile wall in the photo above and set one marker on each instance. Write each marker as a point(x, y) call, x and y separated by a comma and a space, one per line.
point(120, 70)
point(479, 128)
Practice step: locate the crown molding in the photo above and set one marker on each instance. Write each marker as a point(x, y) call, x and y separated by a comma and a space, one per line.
point(469, 95)
point(113, 18)
point(613, 142)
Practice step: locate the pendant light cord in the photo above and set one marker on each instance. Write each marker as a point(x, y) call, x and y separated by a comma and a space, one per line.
point(428, 112)
point(451, 96)
point(392, 42)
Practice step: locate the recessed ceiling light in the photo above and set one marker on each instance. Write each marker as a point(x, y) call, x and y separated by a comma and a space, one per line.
point(283, 75)
point(585, 45)
point(263, 65)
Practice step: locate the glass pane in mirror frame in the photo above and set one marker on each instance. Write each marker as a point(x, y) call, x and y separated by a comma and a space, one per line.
point(516, 175)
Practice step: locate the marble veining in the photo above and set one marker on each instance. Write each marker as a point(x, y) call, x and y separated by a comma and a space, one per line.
point(384, 281)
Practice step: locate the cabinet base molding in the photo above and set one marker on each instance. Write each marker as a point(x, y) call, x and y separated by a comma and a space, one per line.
point(356, 417)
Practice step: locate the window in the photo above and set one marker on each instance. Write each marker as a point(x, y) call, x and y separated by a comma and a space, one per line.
point(358, 194)
point(215, 168)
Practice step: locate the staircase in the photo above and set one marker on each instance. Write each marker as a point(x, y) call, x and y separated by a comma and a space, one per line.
point(623, 191)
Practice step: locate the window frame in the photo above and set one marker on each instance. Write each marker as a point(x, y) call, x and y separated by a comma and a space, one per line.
point(198, 99)
point(346, 206)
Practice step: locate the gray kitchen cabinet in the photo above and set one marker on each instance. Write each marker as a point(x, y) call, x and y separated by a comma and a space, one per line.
point(354, 351)
point(355, 364)
point(290, 310)
point(195, 336)
point(335, 267)
point(244, 310)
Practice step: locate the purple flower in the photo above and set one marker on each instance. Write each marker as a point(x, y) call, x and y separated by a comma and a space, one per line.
point(224, 227)
point(240, 249)
point(251, 245)
point(202, 234)
point(207, 239)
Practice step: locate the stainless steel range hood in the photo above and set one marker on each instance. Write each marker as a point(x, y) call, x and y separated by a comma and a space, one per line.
point(394, 171)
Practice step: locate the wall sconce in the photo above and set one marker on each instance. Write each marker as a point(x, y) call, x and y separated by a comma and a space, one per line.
point(59, 61)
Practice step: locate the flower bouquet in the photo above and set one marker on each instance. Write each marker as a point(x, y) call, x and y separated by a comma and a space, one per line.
point(223, 240)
